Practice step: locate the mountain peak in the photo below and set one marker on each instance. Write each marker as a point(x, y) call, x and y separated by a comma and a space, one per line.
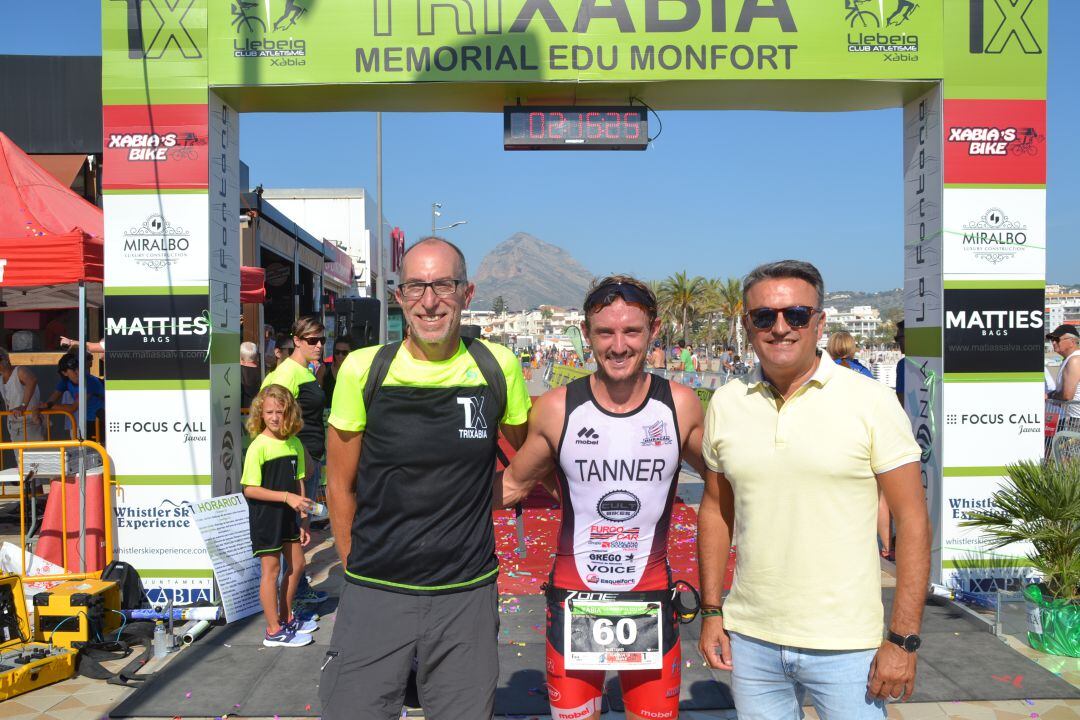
point(528, 272)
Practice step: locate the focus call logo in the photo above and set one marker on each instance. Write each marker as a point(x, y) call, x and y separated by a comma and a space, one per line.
point(189, 430)
point(155, 244)
point(1022, 422)
point(994, 237)
point(251, 27)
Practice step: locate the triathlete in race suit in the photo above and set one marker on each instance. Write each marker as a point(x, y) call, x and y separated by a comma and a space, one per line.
point(614, 440)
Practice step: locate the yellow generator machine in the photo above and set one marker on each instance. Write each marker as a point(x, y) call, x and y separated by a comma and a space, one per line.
point(77, 612)
point(26, 665)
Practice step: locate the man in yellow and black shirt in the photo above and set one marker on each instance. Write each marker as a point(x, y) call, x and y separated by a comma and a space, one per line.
point(419, 420)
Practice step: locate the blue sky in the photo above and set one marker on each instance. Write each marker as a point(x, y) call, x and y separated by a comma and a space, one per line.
point(825, 187)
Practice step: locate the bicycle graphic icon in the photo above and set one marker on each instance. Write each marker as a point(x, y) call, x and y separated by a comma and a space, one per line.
point(865, 18)
point(185, 150)
point(241, 17)
point(1028, 143)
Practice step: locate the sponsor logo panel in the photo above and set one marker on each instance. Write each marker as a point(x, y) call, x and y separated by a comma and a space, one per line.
point(155, 147)
point(152, 432)
point(154, 337)
point(224, 193)
point(922, 211)
point(994, 330)
point(155, 528)
point(226, 438)
point(995, 141)
point(965, 547)
point(268, 31)
point(883, 29)
point(618, 506)
point(923, 401)
point(995, 232)
point(992, 423)
point(156, 240)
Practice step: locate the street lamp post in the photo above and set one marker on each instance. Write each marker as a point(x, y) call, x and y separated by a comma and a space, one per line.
point(434, 214)
point(451, 226)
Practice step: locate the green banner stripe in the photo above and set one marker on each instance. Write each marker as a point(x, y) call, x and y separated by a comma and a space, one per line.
point(224, 348)
point(1003, 561)
point(995, 284)
point(985, 471)
point(430, 588)
point(923, 341)
point(175, 573)
point(162, 479)
point(199, 384)
point(155, 191)
point(995, 186)
point(158, 290)
point(992, 377)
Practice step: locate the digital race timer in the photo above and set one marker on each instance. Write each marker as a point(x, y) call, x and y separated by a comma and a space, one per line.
point(575, 128)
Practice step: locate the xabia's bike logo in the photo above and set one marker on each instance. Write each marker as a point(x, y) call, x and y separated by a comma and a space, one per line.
point(996, 26)
point(874, 29)
point(252, 21)
point(983, 141)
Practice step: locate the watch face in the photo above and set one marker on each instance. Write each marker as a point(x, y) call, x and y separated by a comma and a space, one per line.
point(912, 643)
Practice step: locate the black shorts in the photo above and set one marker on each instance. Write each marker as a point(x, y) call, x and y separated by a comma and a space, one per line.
point(272, 525)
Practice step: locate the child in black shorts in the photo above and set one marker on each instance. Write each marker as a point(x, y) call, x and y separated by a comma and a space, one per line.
point(273, 470)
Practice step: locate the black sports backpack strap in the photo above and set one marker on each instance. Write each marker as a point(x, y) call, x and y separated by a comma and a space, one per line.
point(380, 365)
point(492, 372)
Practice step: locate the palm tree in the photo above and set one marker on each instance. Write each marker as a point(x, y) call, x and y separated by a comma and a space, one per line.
point(731, 307)
point(712, 305)
point(683, 295)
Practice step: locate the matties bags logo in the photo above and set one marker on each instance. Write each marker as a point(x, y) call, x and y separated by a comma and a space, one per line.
point(994, 330)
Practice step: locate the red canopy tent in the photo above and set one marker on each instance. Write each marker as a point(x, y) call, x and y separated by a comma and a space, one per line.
point(50, 238)
point(252, 285)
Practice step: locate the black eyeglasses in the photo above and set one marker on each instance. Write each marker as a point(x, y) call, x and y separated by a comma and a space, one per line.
point(796, 316)
point(604, 295)
point(415, 290)
point(315, 340)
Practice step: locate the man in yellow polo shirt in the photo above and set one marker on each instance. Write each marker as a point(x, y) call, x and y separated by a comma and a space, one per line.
point(795, 453)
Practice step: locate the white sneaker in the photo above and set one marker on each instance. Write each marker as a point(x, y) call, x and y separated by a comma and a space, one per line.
point(301, 627)
point(286, 637)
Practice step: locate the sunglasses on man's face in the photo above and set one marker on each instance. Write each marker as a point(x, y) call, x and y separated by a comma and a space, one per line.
point(604, 295)
point(796, 316)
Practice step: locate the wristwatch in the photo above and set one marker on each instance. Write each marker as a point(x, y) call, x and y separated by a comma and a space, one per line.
point(910, 643)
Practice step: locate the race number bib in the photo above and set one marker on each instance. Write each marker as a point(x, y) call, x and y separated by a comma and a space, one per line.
point(613, 635)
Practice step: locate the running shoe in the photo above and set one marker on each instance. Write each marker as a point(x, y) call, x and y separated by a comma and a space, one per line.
point(305, 613)
point(311, 596)
point(301, 627)
point(286, 637)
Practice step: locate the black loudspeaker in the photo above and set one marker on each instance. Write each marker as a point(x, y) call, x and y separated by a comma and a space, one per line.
point(359, 318)
point(470, 331)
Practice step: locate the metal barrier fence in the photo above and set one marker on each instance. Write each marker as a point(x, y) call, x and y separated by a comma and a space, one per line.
point(44, 462)
point(1062, 430)
point(17, 427)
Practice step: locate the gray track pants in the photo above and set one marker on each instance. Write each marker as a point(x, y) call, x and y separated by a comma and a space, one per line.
point(377, 633)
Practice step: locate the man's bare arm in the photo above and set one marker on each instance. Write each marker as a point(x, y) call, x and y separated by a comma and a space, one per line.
point(892, 673)
point(691, 418)
point(535, 459)
point(716, 519)
point(1069, 379)
point(342, 462)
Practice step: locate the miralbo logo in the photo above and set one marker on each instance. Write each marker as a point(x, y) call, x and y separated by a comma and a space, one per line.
point(877, 26)
point(257, 38)
point(994, 237)
point(156, 244)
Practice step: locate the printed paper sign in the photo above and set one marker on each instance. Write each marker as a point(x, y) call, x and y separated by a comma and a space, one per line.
point(223, 523)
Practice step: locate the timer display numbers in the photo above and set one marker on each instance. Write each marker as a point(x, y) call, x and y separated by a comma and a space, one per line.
point(575, 128)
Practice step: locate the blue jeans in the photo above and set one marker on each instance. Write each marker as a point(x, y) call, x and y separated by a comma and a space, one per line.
point(769, 682)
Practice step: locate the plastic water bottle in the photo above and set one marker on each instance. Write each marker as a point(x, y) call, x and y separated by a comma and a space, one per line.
point(318, 511)
point(161, 649)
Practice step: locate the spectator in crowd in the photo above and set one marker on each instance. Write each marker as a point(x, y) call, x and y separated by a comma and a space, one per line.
point(250, 377)
point(841, 348)
point(21, 398)
point(283, 348)
point(657, 359)
point(342, 347)
point(899, 338)
point(68, 369)
point(1066, 343)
